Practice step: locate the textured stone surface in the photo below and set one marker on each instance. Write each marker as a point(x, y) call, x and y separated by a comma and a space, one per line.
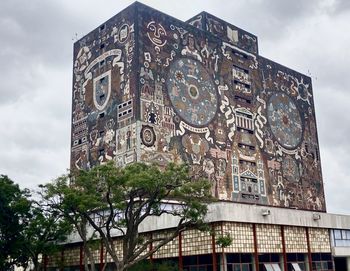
point(148, 87)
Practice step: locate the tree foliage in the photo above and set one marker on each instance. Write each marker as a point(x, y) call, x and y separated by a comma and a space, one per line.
point(43, 233)
point(27, 228)
point(14, 215)
point(111, 200)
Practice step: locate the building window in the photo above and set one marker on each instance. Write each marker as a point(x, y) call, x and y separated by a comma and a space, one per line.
point(239, 261)
point(341, 238)
point(322, 262)
point(201, 262)
point(269, 262)
point(296, 262)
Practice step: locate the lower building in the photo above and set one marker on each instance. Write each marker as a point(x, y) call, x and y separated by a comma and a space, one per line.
point(264, 238)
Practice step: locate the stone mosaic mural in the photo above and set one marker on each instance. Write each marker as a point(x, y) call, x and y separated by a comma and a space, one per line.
point(104, 94)
point(148, 87)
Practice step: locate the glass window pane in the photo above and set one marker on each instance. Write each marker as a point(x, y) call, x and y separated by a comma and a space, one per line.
point(318, 265)
point(276, 267)
point(275, 257)
point(291, 257)
point(326, 256)
point(264, 258)
point(246, 258)
point(330, 265)
point(296, 267)
point(337, 234)
point(316, 257)
point(205, 259)
point(268, 267)
point(324, 265)
point(300, 257)
point(189, 260)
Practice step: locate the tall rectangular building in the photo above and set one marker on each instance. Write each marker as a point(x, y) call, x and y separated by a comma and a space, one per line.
point(148, 87)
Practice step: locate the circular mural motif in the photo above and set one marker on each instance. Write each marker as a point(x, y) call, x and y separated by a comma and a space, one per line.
point(192, 92)
point(148, 137)
point(290, 169)
point(284, 120)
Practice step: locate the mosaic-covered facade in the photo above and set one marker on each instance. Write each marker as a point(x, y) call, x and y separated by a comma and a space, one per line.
point(148, 87)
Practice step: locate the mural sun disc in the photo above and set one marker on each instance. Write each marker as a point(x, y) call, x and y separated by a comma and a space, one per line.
point(192, 91)
point(284, 120)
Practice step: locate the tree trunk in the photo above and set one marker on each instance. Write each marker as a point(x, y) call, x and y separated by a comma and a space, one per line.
point(36, 263)
point(89, 257)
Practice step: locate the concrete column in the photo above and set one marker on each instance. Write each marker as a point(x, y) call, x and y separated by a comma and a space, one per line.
point(283, 263)
point(347, 263)
point(306, 261)
point(284, 254)
point(256, 255)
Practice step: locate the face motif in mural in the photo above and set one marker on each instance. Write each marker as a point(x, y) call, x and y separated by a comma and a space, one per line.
point(192, 91)
point(156, 33)
point(285, 121)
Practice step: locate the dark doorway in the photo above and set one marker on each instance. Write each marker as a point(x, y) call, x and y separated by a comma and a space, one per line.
point(340, 264)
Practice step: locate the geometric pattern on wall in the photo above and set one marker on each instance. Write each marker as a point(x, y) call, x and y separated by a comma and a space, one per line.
point(242, 237)
point(295, 239)
point(269, 238)
point(169, 250)
point(319, 240)
point(195, 242)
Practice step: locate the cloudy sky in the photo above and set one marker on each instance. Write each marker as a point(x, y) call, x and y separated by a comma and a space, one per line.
point(36, 39)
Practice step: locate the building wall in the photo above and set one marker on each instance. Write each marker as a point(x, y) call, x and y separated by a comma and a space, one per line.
point(226, 31)
point(148, 87)
point(194, 243)
point(242, 237)
point(295, 238)
point(103, 99)
point(243, 121)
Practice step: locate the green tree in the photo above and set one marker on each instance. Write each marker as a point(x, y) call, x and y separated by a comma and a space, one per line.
point(61, 197)
point(113, 199)
point(14, 216)
point(28, 229)
point(43, 233)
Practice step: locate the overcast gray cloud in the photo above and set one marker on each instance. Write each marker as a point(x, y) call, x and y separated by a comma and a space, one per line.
point(36, 39)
